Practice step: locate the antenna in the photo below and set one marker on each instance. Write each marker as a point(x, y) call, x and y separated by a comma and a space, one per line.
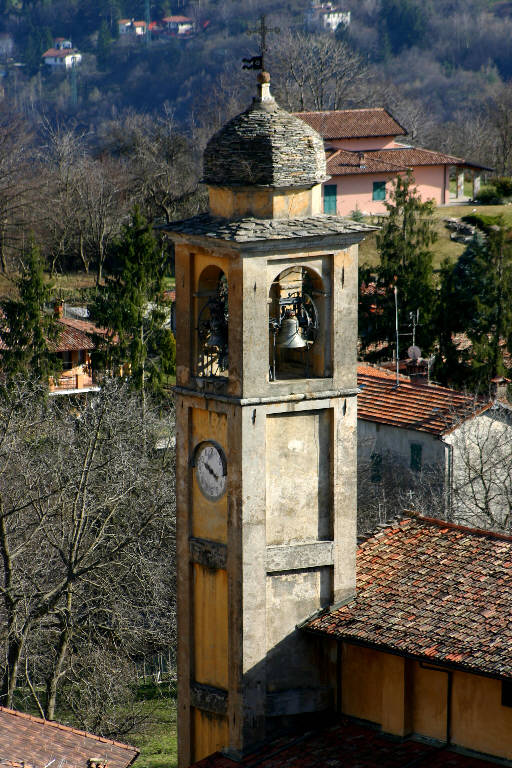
point(397, 339)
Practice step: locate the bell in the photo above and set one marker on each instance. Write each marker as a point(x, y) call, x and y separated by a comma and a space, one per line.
point(215, 339)
point(289, 336)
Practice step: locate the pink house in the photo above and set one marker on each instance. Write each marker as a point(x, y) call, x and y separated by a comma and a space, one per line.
point(364, 155)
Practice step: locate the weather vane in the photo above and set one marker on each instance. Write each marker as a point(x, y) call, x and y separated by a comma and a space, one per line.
point(258, 62)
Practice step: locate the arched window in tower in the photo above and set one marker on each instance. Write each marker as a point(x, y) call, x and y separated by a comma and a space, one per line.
point(296, 315)
point(212, 324)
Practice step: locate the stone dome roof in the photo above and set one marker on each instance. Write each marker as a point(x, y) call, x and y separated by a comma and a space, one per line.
point(265, 146)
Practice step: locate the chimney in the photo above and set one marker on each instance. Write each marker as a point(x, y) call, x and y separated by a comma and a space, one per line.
point(499, 388)
point(58, 309)
point(360, 155)
point(417, 370)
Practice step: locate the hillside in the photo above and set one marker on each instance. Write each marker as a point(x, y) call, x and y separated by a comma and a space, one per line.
point(440, 67)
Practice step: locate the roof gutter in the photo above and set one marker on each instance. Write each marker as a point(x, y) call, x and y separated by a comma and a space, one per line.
point(448, 665)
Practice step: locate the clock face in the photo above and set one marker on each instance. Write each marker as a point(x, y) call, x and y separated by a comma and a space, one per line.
point(211, 470)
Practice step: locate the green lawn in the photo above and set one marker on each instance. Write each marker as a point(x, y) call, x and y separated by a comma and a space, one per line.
point(157, 739)
point(443, 247)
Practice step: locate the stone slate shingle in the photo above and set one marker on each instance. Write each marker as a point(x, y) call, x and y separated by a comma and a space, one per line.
point(251, 230)
point(265, 146)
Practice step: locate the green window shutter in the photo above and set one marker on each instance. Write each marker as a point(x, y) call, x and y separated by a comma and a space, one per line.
point(379, 190)
point(416, 449)
point(330, 194)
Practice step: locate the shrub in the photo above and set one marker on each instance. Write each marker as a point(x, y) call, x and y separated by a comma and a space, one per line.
point(503, 186)
point(488, 196)
point(481, 221)
point(357, 215)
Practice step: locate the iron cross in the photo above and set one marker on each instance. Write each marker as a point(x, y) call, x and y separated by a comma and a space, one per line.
point(258, 62)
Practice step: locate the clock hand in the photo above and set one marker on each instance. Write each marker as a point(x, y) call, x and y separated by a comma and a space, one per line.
point(210, 470)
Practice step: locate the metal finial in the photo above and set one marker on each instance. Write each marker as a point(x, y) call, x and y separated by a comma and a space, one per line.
point(258, 62)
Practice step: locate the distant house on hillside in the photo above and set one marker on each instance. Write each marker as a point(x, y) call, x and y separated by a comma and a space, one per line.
point(62, 55)
point(131, 28)
point(29, 741)
point(6, 45)
point(415, 432)
point(326, 15)
point(179, 25)
point(74, 346)
point(364, 156)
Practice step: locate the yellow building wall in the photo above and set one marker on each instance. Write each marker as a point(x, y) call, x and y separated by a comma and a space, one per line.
point(209, 733)
point(479, 721)
point(209, 518)
point(404, 697)
point(361, 677)
point(265, 203)
point(429, 702)
point(210, 601)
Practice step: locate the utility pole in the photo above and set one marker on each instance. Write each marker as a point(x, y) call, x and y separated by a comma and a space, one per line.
point(74, 86)
point(148, 22)
point(397, 340)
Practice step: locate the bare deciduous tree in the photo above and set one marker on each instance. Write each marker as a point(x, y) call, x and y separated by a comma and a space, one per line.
point(472, 486)
point(316, 72)
point(85, 509)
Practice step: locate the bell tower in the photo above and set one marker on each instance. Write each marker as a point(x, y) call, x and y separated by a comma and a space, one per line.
point(266, 320)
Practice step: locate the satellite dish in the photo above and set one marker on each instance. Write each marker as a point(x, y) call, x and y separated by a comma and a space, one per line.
point(414, 353)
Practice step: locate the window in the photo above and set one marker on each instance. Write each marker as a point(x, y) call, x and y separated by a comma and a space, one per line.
point(67, 360)
point(375, 468)
point(379, 190)
point(506, 693)
point(416, 449)
point(330, 193)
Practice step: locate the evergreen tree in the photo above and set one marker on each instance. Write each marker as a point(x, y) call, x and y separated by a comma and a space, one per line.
point(130, 306)
point(404, 246)
point(475, 298)
point(28, 332)
point(103, 46)
point(403, 23)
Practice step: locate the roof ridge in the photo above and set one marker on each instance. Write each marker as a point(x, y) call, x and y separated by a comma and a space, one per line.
point(69, 729)
point(341, 111)
point(457, 526)
point(421, 388)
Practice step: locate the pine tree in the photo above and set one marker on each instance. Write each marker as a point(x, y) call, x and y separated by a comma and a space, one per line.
point(28, 332)
point(103, 46)
point(404, 246)
point(475, 298)
point(130, 306)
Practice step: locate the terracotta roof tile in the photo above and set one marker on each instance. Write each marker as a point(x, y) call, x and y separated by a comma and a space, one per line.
point(59, 53)
point(178, 19)
point(425, 408)
point(344, 162)
point(26, 739)
point(348, 745)
point(431, 589)
point(353, 123)
point(73, 335)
